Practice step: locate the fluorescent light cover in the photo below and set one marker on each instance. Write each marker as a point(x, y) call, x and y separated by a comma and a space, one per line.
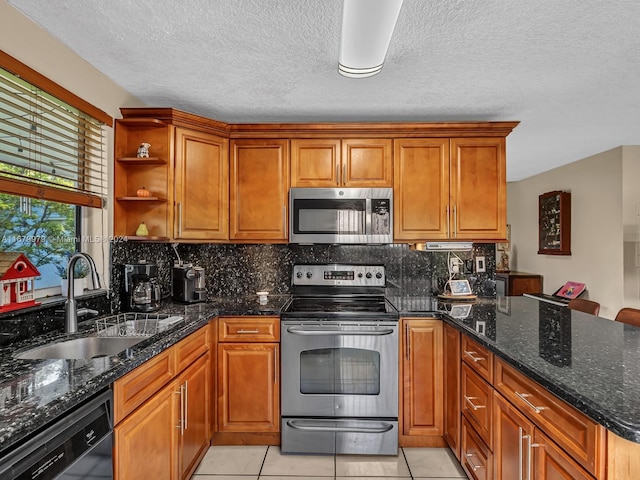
point(367, 27)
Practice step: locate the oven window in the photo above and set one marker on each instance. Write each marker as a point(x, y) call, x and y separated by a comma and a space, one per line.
point(340, 371)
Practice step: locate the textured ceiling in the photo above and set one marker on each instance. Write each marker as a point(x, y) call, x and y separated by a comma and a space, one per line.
point(568, 70)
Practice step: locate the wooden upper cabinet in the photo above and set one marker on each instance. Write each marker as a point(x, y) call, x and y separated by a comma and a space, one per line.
point(478, 188)
point(315, 162)
point(367, 162)
point(201, 186)
point(421, 189)
point(341, 163)
point(259, 190)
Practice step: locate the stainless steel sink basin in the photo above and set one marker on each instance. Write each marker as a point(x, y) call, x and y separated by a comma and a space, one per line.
point(85, 347)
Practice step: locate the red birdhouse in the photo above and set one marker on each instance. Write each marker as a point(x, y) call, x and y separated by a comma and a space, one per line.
point(17, 281)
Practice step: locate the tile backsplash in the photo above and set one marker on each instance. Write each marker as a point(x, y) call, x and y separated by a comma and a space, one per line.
point(238, 269)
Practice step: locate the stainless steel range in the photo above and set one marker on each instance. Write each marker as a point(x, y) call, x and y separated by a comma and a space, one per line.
point(339, 362)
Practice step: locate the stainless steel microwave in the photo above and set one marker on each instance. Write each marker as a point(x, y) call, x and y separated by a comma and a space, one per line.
point(341, 215)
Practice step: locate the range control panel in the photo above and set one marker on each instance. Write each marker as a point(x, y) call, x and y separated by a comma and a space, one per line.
point(338, 274)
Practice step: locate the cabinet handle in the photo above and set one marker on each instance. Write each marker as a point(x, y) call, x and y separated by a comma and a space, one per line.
point(186, 404)
point(528, 450)
point(407, 344)
point(284, 220)
point(337, 174)
point(275, 365)
point(344, 174)
point(181, 425)
point(473, 405)
point(455, 222)
point(520, 436)
point(179, 219)
point(473, 466)
point(242, 330)
point(523, 397)
point(470, 355)
point(448, 223)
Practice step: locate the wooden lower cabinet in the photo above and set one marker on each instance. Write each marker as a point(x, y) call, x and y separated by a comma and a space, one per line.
point(512, 440)
point(195, 430)
point(168, 435)
point(163, 424)
point(553, 463)
point(475, 456)
point(421, 418)
point(248, 387)
point(145, 442)
point(451, 360)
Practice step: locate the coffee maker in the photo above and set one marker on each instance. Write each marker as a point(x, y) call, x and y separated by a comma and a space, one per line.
point(188, 283)
point(141, 289)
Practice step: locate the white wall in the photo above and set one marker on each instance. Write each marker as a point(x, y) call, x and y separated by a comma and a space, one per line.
point(36, 48)
point(631, 224)
point(596, 256)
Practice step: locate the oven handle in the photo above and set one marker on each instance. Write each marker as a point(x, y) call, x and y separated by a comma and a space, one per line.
point(385, 428)
point(303, 331)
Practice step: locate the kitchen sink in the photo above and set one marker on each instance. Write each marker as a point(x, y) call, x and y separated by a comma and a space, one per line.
point(77, 348)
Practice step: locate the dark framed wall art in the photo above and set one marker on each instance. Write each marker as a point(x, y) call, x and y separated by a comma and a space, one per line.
point(554, 223)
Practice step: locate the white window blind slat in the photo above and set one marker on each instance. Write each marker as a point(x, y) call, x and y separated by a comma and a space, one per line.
point(44, 141)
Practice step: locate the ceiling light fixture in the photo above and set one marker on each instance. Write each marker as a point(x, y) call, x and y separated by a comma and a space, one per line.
point(367, 27)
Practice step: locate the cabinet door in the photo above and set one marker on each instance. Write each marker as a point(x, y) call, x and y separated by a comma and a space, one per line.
point(422, 384)
point(513, 436)
point(248, 387)
point(195, 435)
point(421, 189)
point(315, 162)
point(259, 190)
point(478, 188)
point(552, 463)
point(367, 163)
point(145, 443)
point(201, 186)
point(451, 359)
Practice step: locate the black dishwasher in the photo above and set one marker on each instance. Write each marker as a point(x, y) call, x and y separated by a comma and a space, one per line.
point(77, 446)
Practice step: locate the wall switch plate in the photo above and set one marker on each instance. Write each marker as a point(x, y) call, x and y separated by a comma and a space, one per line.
point(480, 265)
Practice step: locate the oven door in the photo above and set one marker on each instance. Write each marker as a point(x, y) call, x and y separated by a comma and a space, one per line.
point(339, 369)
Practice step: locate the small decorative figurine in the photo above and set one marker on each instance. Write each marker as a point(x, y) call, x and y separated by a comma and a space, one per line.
point(17, 281)
point(143, 150)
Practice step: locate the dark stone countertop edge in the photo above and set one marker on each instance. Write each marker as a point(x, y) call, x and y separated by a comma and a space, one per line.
point(610, 420)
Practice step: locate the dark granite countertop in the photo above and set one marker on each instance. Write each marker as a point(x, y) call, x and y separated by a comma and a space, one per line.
point(590, 362)
point(35, 392)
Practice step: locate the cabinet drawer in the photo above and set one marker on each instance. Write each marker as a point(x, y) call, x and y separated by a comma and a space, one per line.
point(580, 436)
point(478, 357)
point(132, 390)
point(192, 347)
point(249, 329)
point(475, 457)
point(477, 403)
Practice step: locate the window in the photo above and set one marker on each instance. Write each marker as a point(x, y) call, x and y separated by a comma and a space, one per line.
point(46, 232)
point(52, 162)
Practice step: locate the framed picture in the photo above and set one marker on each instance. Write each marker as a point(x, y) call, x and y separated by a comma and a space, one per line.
point(460, 287)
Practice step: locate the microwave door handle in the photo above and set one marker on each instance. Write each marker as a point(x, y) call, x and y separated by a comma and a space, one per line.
point(303, 331)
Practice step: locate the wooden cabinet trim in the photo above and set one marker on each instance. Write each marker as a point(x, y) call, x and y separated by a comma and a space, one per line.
point(451, 367)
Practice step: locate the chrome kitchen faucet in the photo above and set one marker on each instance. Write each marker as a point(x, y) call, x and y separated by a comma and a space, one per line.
point(70, 307)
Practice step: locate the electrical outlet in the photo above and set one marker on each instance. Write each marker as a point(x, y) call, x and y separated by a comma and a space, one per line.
point(480, 265)
point(454, 265)
point(468, 266)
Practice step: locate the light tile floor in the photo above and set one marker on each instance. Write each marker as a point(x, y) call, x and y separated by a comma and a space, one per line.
point(267, 463)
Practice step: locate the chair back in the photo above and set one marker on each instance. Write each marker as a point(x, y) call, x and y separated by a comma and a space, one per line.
point(630, 316)
point(586, 306)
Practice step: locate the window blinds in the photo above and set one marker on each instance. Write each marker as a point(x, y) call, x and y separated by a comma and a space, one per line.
point(49, 149)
